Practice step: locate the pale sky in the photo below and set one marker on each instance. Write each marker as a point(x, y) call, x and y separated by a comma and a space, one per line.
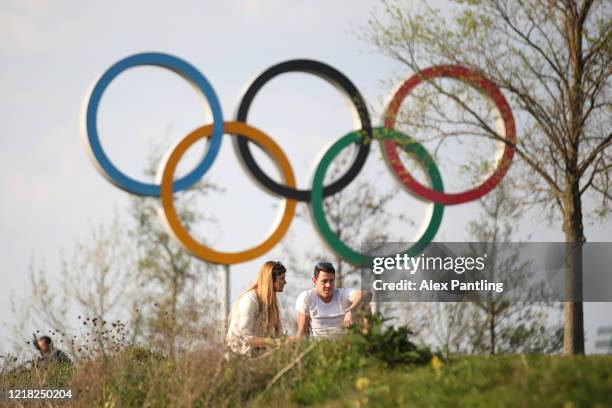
point(52, 51)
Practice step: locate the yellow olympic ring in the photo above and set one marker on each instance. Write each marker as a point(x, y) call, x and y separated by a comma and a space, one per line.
point(170, 216)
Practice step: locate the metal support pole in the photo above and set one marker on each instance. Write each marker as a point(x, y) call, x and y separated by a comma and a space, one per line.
point(225, 292)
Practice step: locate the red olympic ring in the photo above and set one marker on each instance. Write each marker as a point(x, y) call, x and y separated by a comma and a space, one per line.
point(483, 85)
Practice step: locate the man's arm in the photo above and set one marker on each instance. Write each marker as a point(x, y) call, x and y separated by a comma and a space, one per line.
point(359, 299)
point(303, 322)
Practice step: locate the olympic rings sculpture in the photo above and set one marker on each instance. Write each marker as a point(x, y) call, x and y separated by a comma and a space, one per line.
point(244, 134)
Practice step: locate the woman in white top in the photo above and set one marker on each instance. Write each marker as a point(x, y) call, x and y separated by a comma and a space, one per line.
point(254, 322)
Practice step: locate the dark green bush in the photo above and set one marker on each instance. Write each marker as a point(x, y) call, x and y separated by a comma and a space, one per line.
point(389, 344)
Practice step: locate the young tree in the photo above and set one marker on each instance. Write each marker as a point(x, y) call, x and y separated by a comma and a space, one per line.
point(552, 60)
point(133, 264)
point(499, 325)
point(98, 278)
point(42, 309)
point(359, 213)
point(503, 325)
point(443, 325)
point(176, 301)
point(176, 306)
point(95, 284)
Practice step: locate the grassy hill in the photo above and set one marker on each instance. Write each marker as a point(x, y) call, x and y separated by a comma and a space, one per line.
point(471, 381)
point(385, 370)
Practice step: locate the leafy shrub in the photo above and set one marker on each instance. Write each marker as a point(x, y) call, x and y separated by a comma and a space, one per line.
point(389, 344)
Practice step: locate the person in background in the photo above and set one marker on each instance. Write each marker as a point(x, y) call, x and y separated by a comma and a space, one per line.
point(48, 353)
point(325, 310)
point(254, 321)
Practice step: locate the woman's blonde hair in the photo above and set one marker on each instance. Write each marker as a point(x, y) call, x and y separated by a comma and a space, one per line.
point(266, 296)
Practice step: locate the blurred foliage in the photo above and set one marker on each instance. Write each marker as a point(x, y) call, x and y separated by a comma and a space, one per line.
point(376, 365)
point(389, 344)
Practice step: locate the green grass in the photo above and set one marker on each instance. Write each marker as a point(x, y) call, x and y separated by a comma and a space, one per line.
point(51, 376)
point(518, 380)
point(381, 369)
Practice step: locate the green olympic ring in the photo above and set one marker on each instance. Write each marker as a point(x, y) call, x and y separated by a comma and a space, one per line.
point(410, 146)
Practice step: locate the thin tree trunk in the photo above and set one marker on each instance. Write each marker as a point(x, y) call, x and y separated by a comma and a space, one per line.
point(339, 272)
point(492, 326)
point(172, 328)
point(573, 334)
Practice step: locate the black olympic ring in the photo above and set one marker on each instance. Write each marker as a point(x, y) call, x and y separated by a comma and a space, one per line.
point(347, 89)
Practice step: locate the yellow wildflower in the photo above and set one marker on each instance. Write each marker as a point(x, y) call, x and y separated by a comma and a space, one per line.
point(436, 364)
point(362, 382)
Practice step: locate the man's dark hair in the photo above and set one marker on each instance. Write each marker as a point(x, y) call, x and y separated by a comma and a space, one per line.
point(46, 339)
point(325, 267)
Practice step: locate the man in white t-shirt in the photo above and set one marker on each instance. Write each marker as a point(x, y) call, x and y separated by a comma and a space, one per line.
point(325, 310)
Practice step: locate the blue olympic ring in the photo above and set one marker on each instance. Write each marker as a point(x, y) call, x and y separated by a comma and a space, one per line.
point(189, 73)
